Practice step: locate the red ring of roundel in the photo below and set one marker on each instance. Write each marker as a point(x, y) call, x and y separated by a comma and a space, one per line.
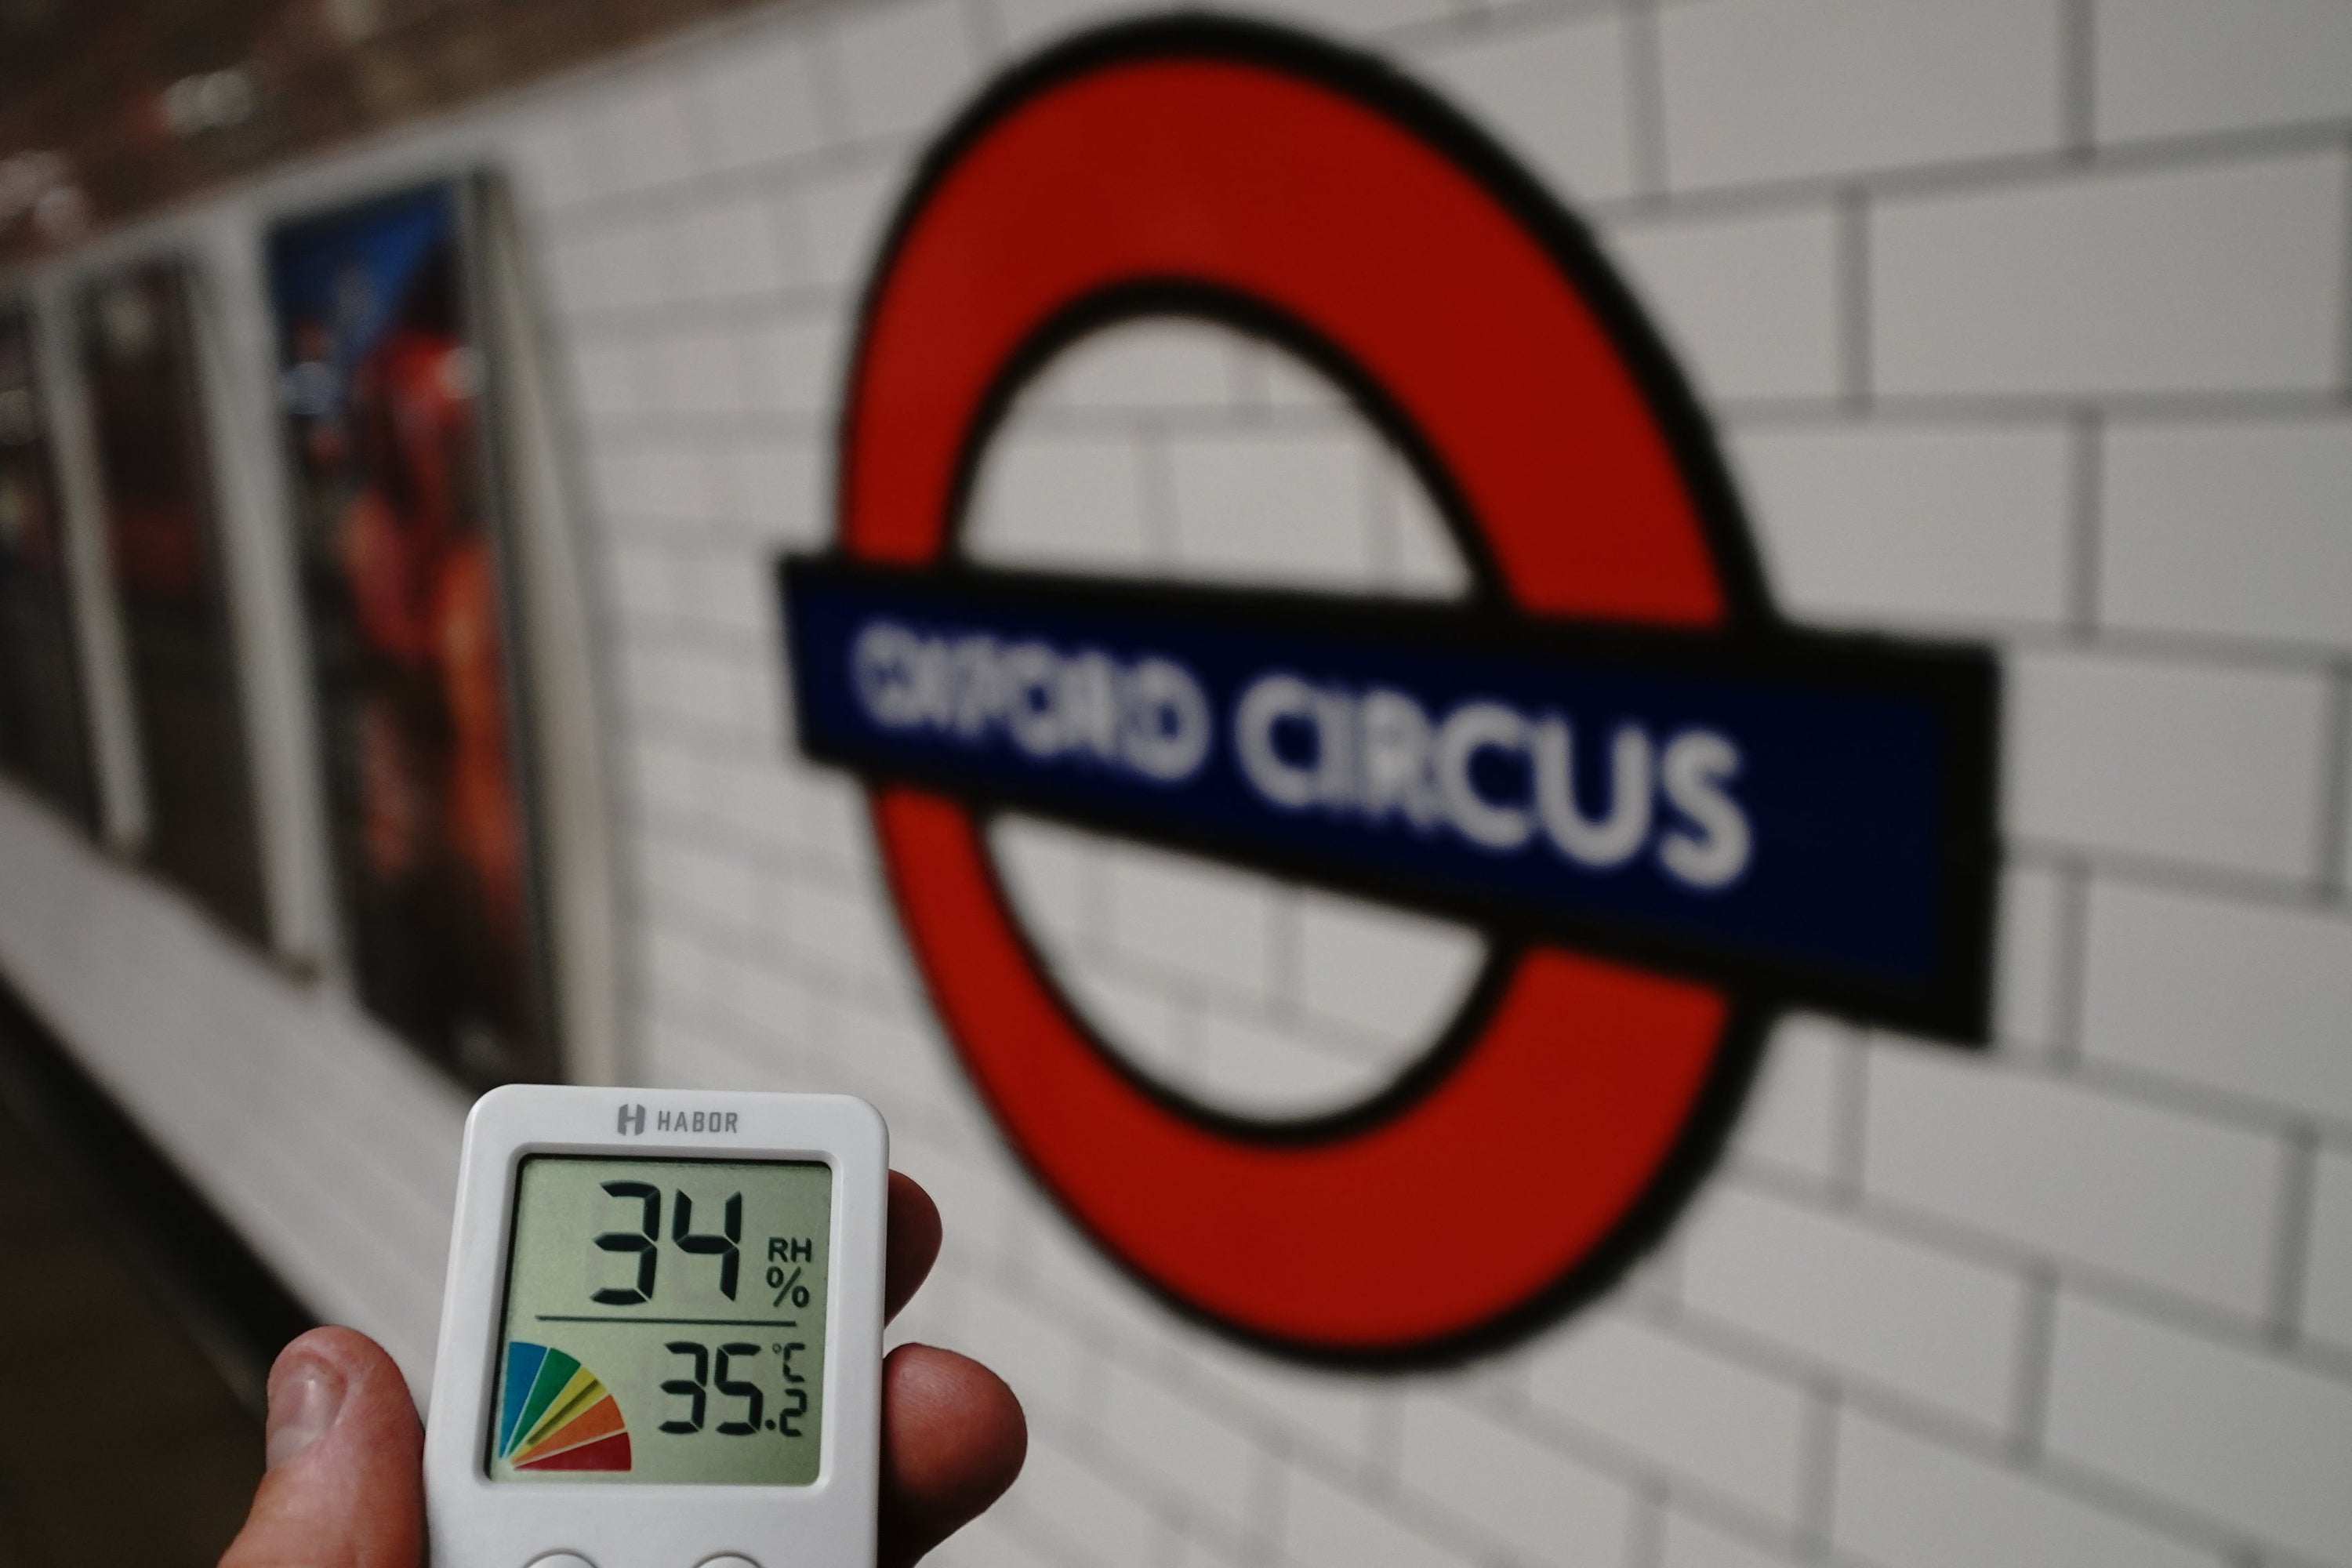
point(1307, 181)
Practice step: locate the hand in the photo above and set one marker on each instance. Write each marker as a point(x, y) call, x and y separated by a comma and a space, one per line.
point(345, 1486)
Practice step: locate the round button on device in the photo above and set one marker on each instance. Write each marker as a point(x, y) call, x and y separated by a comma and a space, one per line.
point(562, 1560)
point(729, 1560)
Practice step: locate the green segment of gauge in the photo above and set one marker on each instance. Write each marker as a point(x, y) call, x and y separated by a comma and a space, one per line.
point(664, 1323)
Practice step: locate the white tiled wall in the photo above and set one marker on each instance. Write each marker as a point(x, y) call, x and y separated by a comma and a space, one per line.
point(2025, 320)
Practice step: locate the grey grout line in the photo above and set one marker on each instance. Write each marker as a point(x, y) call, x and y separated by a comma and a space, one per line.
point(1850, 1130)
point(1380, 509)
point(1251, 399)
point(2199, 647)
point(2286, 893)
point(2290, 1244)
point(2344, 327)
point(1115, 426)
point(780, 177)
point(1854, 301)
point(2078, 79)
point(1646, 1532)
point(2220, 406)
point(1816, 1513)
point(2086, 502)
point(1646, 106)
point(1487, 17)
point(1983, 176)
point(2073, 983)
point(2030, 1408)
point(985, 30)
point(1269, 1495)
point(1161, 528)
point(1285, 1002)
point(822, 52)
point(2334, 797)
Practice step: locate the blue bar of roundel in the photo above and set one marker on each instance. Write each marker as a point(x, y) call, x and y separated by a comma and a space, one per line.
point(523, 1371)
point(1864, 777)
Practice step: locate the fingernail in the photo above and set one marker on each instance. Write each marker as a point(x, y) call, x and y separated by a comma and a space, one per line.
point(303, 1400)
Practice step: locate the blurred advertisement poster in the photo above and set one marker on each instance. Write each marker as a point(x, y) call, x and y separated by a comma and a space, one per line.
point(138, 358)
point(403, 558)
point(43, 737)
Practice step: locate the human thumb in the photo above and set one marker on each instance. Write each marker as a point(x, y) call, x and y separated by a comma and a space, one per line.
point(344, 1487)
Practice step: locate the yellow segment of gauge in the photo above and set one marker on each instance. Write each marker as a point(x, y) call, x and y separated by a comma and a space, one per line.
point(583, 1390)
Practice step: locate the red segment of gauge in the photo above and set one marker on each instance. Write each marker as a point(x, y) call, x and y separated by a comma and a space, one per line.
point(1309, 188)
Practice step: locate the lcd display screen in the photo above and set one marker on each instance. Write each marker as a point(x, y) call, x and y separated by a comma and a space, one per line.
point(664, 1322)
point(42, 738)
point(139, 356)
point(381, 382)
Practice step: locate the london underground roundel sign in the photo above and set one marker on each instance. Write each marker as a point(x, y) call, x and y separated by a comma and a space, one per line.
point(1672, 813)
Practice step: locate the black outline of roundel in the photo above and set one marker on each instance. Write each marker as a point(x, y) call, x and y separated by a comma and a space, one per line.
point(1963, 676)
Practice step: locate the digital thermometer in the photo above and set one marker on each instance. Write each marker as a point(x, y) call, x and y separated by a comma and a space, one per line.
point(661, 1342)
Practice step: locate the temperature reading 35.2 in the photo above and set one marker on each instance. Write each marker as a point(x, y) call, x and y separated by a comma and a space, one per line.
point(664, 1321)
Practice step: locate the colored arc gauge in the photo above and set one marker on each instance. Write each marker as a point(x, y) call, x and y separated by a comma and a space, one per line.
point(1673, 813)
point(556, 1415)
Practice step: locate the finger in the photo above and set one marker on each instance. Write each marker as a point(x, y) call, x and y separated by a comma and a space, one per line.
point(952, 1439)
point(344, 1488)
point(913, 1243)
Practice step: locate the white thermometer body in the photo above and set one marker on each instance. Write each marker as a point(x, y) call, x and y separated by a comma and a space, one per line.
point(661, 1341)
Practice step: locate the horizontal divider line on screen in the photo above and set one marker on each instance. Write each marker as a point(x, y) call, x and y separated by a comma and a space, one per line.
point(689, 1323)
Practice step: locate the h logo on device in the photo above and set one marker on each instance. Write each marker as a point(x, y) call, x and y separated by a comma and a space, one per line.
point(631, 1119)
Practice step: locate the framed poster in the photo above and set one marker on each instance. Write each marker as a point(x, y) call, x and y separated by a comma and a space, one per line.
point(138, 353)
point(44, 729)
point(404, 564)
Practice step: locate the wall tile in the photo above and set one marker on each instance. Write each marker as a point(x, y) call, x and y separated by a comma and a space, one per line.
point(2167, 758)
point(1555, 95)
point(2247, 1440)
point(2222, 992)
point(1385, 972)
point(2211, 277)
point(1791, 1119)
point(1325, 1527)
point(1873, 523)
point(1191, 1455)
point(1857, 1300)
point(1911, 1503)
point(1689, 1542)
point(1758, 90)
point(1698, 1417)
point(1507, 1488)
point(2177, 68)
point(903, 66)
point(1061, 502)
point(2327, 1310)
point(759, 99)
point(1749, 303)
point(2159, 1196)
point(2228, 529)
point(1174, 911)
point(1272, 508)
